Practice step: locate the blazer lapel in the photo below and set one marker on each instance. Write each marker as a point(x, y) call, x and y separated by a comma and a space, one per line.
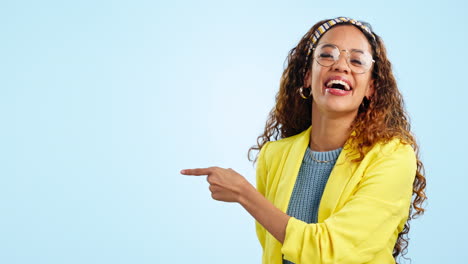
point(339, 177)
point(292, 164)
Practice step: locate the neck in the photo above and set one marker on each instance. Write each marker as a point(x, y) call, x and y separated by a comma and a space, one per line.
point(329, 130)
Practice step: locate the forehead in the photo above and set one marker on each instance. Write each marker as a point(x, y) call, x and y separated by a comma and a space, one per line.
point(346, 37)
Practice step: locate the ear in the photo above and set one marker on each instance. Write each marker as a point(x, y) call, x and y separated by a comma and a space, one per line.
point(307, 79)
point(370, 90)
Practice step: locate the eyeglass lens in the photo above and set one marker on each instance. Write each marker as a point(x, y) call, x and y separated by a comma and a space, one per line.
point(327, 54)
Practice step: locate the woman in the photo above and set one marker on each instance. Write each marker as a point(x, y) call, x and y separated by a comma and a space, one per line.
point(337, 184)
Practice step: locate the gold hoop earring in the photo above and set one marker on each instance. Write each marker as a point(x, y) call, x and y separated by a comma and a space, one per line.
point(301, 93)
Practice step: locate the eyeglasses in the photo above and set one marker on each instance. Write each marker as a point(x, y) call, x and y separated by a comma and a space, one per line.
point(359, 61)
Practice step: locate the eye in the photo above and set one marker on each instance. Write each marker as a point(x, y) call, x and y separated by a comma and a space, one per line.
point(325, 55)
point(357, 62)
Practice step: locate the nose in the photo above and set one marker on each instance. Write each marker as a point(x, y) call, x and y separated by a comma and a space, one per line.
point(341, 65)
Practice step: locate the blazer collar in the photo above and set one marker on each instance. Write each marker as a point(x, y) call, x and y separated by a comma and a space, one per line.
point(337, 181)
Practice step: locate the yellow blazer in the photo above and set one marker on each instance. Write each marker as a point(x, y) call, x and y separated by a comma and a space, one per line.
point(363, 208)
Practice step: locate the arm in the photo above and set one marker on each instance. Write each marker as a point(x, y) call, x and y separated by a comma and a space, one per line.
point(229, 186)
point(255, 202)
point(266, 214)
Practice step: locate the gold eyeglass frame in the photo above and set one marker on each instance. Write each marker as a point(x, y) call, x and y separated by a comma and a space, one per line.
point(348, 57)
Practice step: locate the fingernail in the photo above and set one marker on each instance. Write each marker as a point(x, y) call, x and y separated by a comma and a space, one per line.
point(182, 171)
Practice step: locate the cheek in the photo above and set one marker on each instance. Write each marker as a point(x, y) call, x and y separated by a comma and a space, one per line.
point(316, 80)
point(363, 81)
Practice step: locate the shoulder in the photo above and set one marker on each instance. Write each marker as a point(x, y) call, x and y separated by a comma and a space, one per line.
point(393, 148)
point(284, 145)
point(395, 157)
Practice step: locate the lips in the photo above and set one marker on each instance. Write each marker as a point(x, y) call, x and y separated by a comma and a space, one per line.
point(338, 82)
point(337, 85)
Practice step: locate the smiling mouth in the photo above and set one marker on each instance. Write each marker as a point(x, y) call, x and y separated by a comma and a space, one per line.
point(338, 84)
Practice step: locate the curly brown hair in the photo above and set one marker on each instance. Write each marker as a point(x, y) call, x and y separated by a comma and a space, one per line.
point(379, 119)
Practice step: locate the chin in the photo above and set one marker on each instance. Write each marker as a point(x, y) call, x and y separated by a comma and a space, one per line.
point(339, 107)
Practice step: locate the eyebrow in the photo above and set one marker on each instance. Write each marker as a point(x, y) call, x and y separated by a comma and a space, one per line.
point(333, 45)
point(326, 45)
point(358, 50)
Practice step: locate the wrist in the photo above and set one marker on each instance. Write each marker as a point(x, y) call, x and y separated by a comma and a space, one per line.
point(245, 193)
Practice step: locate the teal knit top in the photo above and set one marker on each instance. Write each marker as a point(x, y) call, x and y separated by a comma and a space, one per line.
point(309, 186)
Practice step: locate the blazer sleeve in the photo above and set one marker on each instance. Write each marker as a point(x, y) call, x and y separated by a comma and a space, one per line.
point(261, 174)
point(366, 222)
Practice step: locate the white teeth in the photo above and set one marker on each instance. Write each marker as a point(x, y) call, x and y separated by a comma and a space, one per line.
point(346, 86)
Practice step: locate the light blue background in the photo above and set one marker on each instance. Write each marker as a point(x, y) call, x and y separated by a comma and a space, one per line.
point(103, 102)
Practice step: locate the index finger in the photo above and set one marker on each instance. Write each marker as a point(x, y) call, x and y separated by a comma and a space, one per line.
point(196, 172)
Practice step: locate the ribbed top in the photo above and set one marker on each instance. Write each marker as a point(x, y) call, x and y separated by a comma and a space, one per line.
point(309, 186)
